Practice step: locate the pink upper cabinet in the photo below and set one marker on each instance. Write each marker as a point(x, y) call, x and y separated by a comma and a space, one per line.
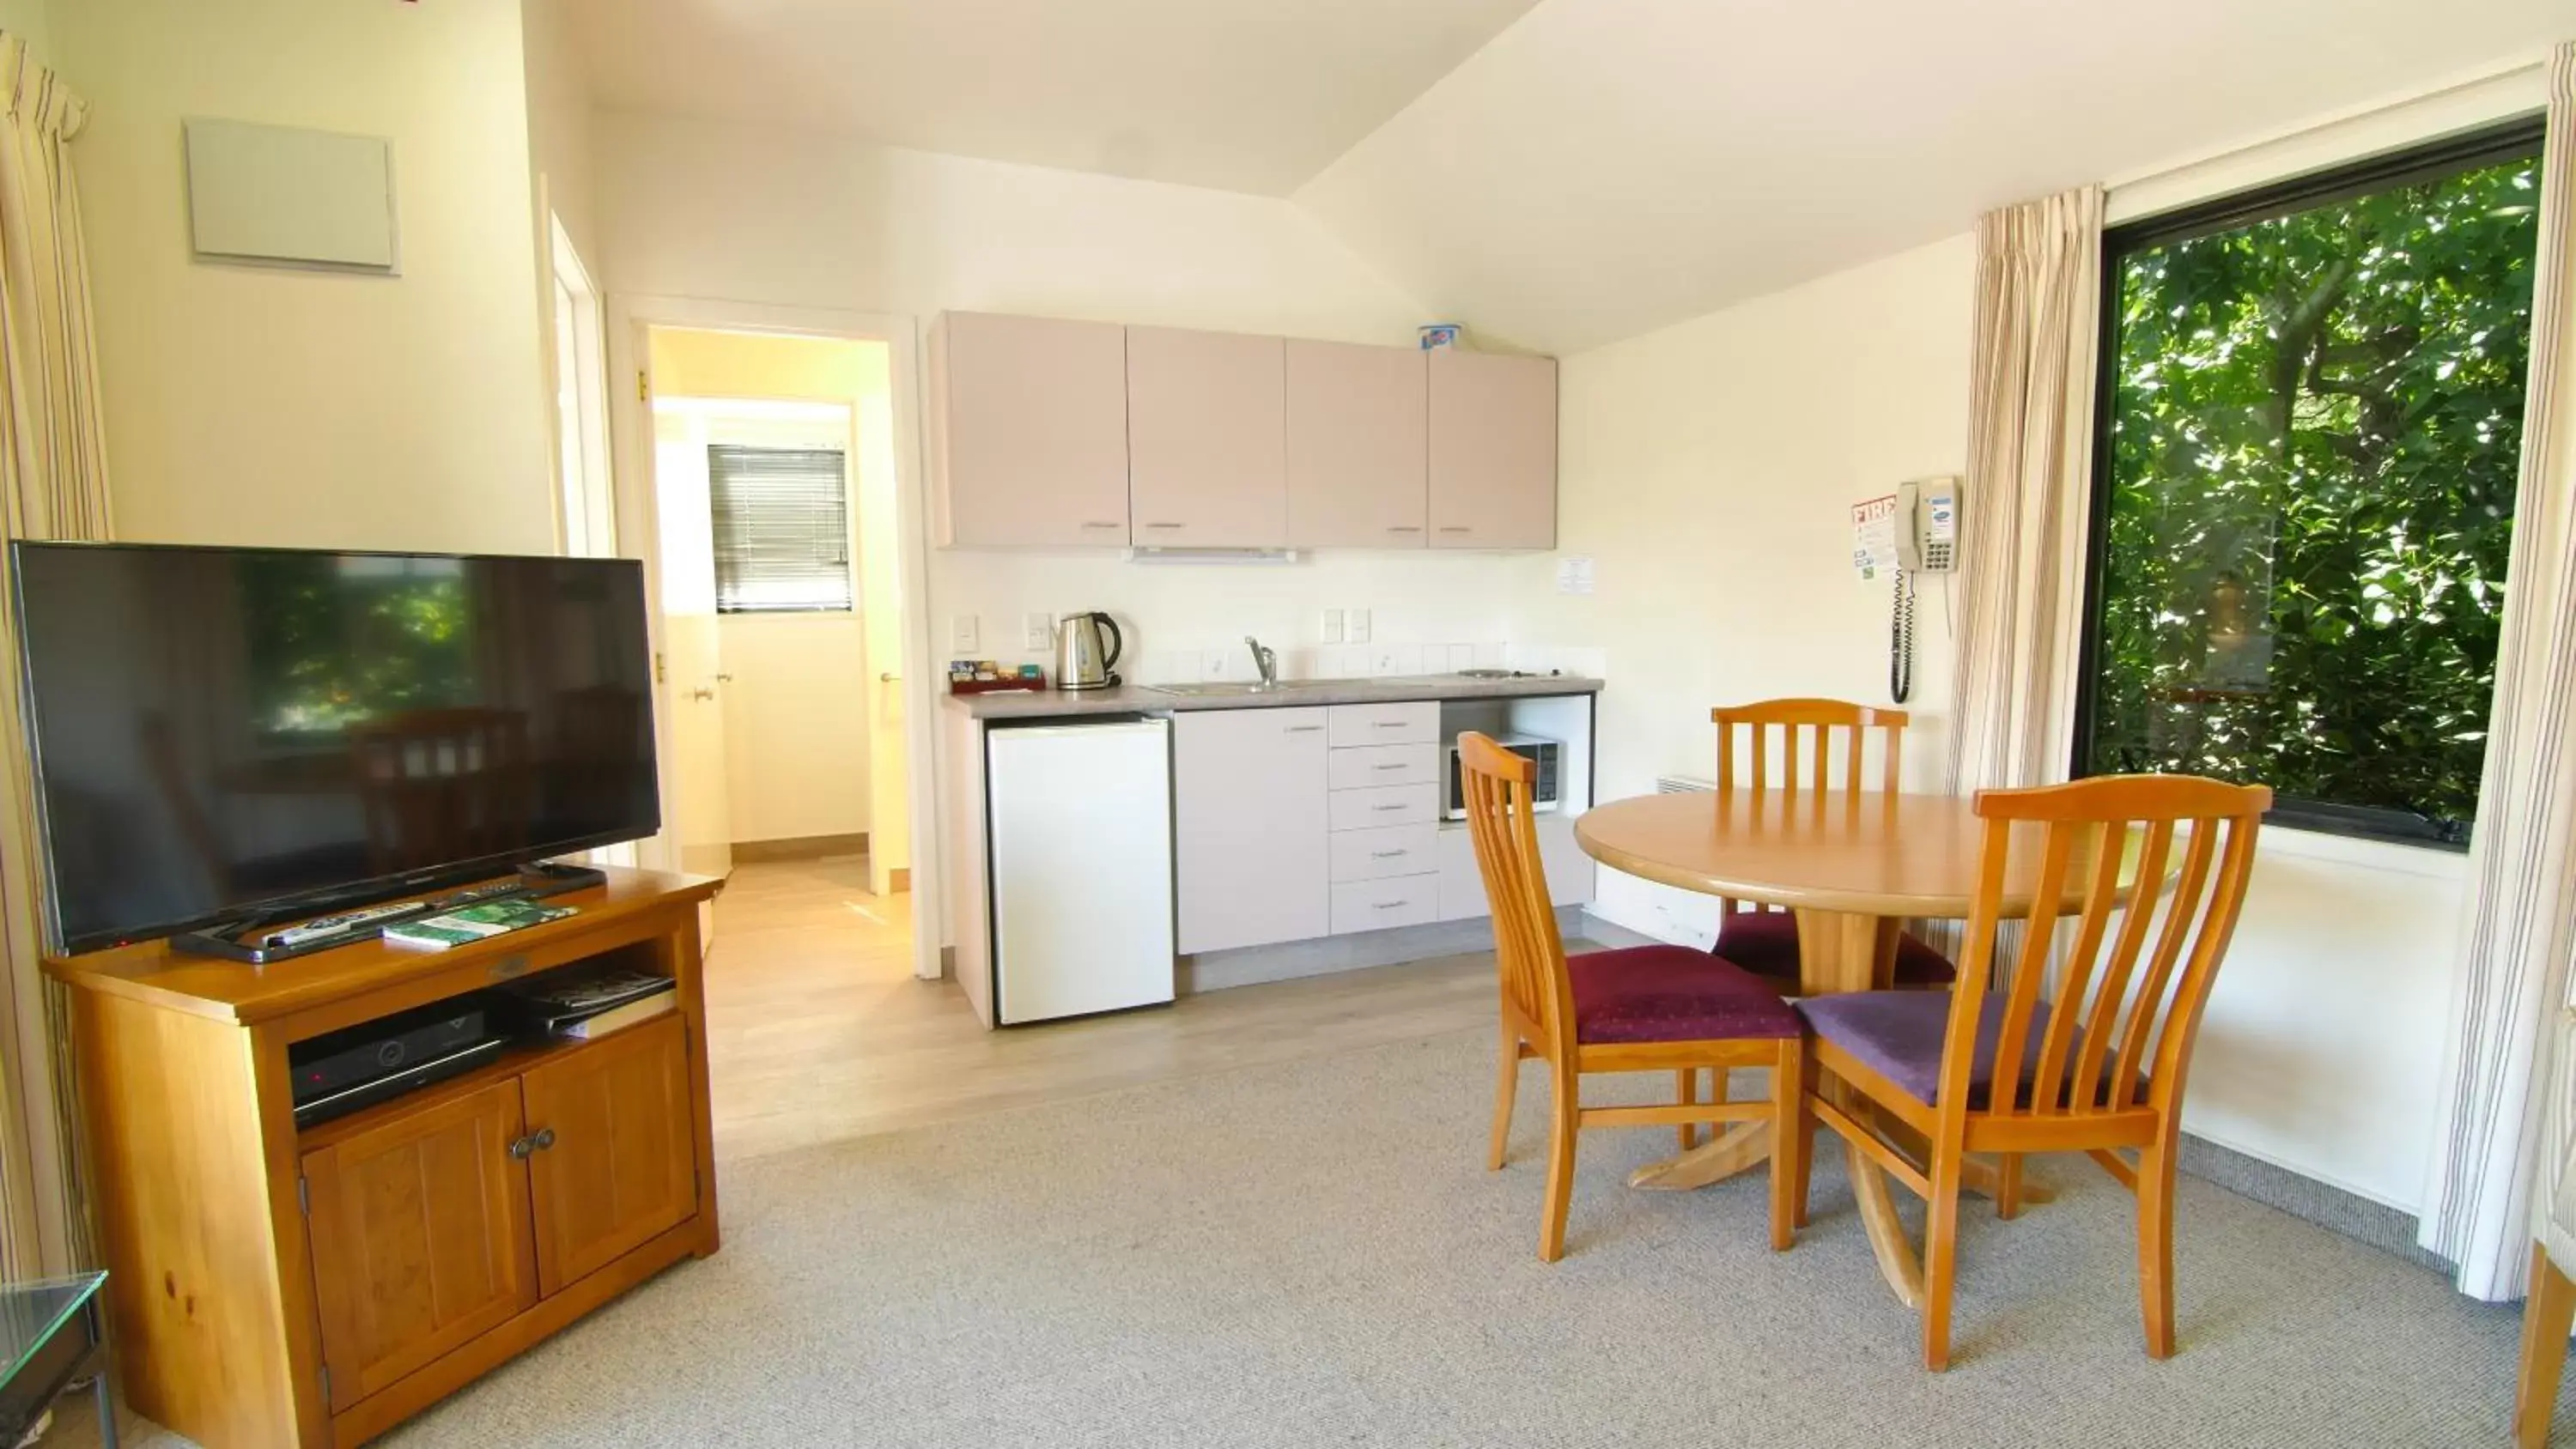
point(1357, 440)
point(1493, 451)
point(1207, 439)
point(1028, 431)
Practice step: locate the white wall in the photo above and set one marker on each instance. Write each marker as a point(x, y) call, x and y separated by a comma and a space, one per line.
point(1708, 468)
point(250, 404)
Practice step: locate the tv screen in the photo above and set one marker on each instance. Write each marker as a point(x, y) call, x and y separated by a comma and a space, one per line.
point(220, 730)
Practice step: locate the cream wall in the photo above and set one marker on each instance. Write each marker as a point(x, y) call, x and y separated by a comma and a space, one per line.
point(1708, 468)
point(29, 21)
point(266, 405)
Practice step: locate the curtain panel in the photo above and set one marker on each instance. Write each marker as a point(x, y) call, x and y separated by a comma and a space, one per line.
point(2519, 928)
point(53, 484)
point(2024, 511)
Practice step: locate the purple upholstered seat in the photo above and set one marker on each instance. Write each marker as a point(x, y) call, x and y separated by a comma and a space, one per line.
point(1673, 993)
point(1898, 1034)
point(1766, 944)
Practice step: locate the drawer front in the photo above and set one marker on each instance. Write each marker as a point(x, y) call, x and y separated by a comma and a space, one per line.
point(1375, 766)
point(1384, 806)
point(1381, 854)
point(1414, 723)
point(1375, 905)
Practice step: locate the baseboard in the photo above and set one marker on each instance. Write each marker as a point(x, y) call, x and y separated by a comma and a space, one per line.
point(2391, 1230)
point(1253, 965)
point(803, 847)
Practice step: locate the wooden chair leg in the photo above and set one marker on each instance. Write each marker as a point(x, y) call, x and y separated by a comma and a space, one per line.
point(1507, 1085)
point(1805, 1133)
point(2008, 1186)
point(1940, 1254)
point(1788, 1143)
point(2155, 1246)
point(1686, 1093)
point(1564, 1122)
point(2546, 1319)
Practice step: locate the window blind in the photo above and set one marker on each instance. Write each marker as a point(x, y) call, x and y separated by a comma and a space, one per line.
point(782, 529)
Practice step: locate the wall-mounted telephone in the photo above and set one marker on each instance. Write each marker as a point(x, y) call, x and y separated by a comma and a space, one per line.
point(1927, 542)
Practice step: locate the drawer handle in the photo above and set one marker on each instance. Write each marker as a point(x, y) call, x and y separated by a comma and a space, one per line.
point(1388, 905)
point(1393, 765)
point(1382, 809)
point(1101, 525)
point(1167, 525)
point(1404, 528)
point(1387, 854)
point(1392, 724)
point(1303, 729)
point(1455, 528)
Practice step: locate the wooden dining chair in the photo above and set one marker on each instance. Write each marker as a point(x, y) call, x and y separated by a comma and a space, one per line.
point(2100, 1068)
point(1762, 940)
point(1641, 1009)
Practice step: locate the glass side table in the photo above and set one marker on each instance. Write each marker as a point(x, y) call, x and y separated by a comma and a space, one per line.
point(51, 1332)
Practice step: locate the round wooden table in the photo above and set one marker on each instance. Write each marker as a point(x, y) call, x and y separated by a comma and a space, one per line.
point(1852, 866)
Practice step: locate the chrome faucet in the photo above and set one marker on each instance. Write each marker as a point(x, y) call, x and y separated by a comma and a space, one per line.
point(1265, 660)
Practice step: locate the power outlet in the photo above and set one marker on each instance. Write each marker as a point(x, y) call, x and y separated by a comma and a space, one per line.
point(1332, 626)
point(1038, 633)
point(964, 634)
point(1356, 626)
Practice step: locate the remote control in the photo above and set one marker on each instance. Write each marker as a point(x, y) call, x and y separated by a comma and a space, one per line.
point(321, 926)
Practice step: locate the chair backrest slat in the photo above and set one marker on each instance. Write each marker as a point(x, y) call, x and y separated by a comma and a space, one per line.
point(1529, 952)
point(1808, 730)
point(2101, 1024)
point(2088, 827)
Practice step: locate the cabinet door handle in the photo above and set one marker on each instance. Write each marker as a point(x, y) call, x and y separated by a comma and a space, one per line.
point(1455, 528)
point(1404, 528)
point(544, 1139)
point(1167, 525)
point(520, 1149)
point(1102, 525)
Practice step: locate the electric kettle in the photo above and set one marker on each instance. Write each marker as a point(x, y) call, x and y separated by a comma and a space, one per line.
point(1082, 658)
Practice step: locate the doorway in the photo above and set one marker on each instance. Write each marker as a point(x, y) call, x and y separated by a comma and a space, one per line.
point(769, 486)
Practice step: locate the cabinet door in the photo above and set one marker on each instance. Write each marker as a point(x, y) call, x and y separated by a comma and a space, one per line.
point(621, 1165)
point(1356, 441)
point(1028, 431)
point(1250, 827)
point(420, 1238)
point(1493, 451)
point(1207, 439)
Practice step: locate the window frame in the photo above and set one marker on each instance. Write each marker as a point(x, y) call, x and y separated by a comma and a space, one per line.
point(2520, 137)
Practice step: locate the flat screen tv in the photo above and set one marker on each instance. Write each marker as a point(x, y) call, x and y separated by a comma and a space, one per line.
point(237, 735)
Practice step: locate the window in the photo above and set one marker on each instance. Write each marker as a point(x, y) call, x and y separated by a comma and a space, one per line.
point(2309, 435)
point(782, 529)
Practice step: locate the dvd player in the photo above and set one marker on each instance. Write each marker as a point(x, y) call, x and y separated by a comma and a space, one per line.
point(357, 1055)
point(397, 1082)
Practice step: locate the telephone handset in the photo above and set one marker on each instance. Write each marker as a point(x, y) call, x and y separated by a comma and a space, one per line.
point(1927, 542)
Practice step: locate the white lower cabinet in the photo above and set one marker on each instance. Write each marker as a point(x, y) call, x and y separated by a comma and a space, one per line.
point(1462, 886)
point(1377, 905)
point(1250, 827)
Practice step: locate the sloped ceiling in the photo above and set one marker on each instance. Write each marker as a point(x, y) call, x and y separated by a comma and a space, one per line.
point(1605, 167)
point(1239, 95)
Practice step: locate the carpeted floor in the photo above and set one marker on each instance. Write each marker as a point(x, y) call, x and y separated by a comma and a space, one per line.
point(1313, 1254)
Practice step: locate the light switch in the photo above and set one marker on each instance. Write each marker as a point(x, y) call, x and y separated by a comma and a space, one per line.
point(1039, 631)
point(963, 635)
point(1332, 626)
point(1357, 626)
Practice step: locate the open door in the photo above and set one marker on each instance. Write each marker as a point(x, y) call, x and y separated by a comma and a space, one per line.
point(693, 676)
point(881, 580)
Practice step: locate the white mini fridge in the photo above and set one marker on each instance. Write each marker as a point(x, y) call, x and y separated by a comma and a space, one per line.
point(1081, 820)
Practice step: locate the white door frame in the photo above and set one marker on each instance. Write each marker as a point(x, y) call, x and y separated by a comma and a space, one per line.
point(639, 537)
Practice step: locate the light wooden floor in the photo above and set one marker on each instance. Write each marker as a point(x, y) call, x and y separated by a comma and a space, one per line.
point(819, 1031)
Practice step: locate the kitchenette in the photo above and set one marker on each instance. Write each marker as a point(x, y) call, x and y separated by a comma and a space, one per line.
point(1114, 847)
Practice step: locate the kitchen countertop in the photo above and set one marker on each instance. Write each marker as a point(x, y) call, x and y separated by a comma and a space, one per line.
point(1138, 699)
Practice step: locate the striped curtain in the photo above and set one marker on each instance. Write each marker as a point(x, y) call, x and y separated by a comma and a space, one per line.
point(2520, 927)
point(53, 484)
point(2023, 514)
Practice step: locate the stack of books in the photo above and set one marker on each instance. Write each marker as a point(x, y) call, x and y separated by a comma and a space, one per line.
point(585, 1005)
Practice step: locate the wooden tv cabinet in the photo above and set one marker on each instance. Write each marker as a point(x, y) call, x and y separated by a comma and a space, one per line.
point(312, 1288)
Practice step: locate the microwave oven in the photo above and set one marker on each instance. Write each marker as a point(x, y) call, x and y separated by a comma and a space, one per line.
point(1545, 792)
